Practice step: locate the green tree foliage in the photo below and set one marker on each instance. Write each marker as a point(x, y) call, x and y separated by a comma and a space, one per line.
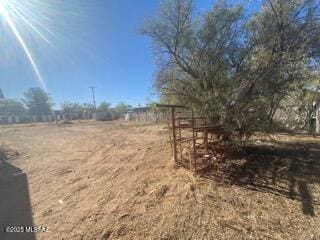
point(234, 68)
point(88, 107)
point(119, 110)
point(196, 57)
point(72, 107)
point(122, 107)
point(104, 107)
point(285, 36)
point(103, 112)
point(37, 101)
point(153, 107)
point(296, 109)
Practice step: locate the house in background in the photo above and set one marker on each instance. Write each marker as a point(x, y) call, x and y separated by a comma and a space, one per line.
point(315, 118)
point(6, 117)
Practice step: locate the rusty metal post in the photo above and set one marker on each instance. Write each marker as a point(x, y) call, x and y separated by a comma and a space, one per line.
point(194, 142)
point(180, 145)
point(205, 140)
point(205, 136)
point(173, 120)
point(168, 122)
point(172, 107)
point(190, 160)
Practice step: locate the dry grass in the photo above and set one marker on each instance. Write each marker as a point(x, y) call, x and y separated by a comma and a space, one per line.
point(118, 181)
point(6, 152)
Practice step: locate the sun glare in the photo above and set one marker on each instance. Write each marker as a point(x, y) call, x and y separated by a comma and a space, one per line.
point(9, 12)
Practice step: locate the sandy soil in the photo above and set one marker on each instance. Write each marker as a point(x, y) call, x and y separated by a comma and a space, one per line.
point(117, 181)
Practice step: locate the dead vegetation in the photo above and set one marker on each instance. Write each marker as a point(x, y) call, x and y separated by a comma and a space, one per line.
point(118, 181)
point(283, 169)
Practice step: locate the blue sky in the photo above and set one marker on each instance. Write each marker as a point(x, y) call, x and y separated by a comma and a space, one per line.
point(80, 43)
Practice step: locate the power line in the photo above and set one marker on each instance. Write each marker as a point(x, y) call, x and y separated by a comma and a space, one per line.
point(93, 97)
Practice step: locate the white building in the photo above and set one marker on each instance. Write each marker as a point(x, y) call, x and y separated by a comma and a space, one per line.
point(315, 117)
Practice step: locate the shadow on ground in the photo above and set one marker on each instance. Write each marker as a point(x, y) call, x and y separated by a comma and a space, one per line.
point(15, 208)
point(285, 169)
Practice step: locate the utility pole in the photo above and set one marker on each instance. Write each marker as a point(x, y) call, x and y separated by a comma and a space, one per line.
point(93, 97)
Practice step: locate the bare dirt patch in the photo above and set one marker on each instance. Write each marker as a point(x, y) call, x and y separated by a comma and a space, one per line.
point(117, 180)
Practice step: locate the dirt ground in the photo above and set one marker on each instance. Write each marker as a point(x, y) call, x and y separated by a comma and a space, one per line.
point(117, 180)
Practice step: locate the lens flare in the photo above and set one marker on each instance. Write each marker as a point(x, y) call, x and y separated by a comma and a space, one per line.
point(32, 27)
point(6, 9)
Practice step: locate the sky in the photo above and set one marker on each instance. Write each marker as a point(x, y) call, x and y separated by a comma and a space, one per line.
point(66, 46)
